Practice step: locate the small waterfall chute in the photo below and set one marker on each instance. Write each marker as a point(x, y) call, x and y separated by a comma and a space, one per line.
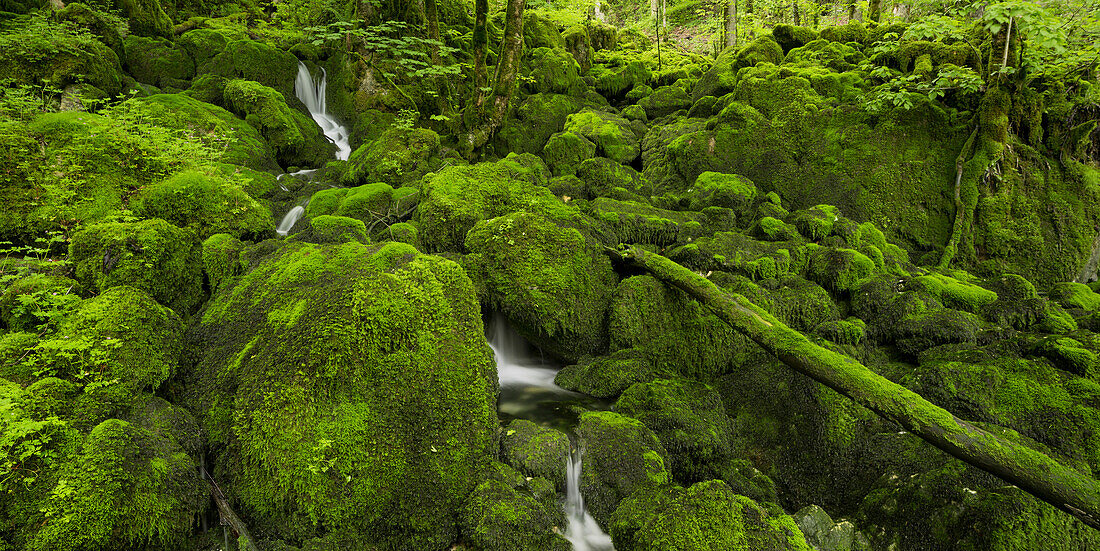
point(312, 95)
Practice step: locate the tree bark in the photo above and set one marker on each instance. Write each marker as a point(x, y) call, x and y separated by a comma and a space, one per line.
point(731, 23)
point(1034, 472)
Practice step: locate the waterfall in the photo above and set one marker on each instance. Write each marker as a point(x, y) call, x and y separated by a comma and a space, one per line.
point(582, 530)
point(290, 219)
point(313, 95)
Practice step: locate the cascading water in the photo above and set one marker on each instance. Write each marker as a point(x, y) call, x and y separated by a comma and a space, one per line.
point(313, 95)
point(527, 391)
point(583, 531)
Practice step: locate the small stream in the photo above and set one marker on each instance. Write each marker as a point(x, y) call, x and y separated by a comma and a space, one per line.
point(527, 391)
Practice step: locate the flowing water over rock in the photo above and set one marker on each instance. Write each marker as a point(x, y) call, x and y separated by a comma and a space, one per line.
point(527, 391)
point(313, 95)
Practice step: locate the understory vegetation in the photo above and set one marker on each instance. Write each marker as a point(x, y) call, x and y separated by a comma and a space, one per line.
point(216, 334)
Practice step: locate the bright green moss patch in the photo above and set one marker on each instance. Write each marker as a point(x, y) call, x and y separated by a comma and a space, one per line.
point(153, 255)
point(546, 279)
point(209, 203)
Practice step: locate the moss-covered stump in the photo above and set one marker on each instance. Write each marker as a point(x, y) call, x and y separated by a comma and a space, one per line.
point(456, 198)
point(708, 515)
point(245, 146)
point(208, 203)
point(294, 136)
point(675, 333)
point(536, 451)
point(608, 376)
point(158, 61)
point(689, 419)
point(255, 61)
point(153, 255)
point(496, 517)
point(615, 137)
point(39, 54)
point(124, 472)
point(621, 456)
point(548, 280)
point(396, 157)
point(350, 390)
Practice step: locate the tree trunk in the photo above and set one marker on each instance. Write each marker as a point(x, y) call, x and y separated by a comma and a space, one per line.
point(1034, 472)
point(731, 23)
point(489, 111)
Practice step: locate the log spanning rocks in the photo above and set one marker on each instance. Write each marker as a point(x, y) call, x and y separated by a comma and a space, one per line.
point(1032, 471)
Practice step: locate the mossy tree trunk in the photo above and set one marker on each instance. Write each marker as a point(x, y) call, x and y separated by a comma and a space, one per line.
point(1036, 473)
point(491, 106)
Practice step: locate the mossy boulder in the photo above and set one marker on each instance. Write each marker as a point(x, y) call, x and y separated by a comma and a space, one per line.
point(348, 387)
point(497, 517)
point(123, 472)
point(621, 456)
point(294, 136)
point(255, 61)
point(564, 151)
point(550, 282)
point(208, 203)
point(615, 137)
point(153, 255)
point(157, 61)
point(536, 451)
point(689, 419)
point(398, 156)
point(146, 17)
point(706, 515)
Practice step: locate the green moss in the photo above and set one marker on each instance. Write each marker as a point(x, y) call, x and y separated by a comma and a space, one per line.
point(152, 255)
point(123, 473)
point(498, 518)
point(207, 203)
point(536, 451)
point(546, 279)
point(565, 151)
point(293, 136)
point(398, 156)
point(690, 421)
point(348, 385)
point(621, 456)
point(157, 61)
point(708, 515)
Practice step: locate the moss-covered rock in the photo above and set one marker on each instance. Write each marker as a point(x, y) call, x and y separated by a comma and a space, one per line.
point(153, 255)
point(208, 203)
point(396, 157)
point(123, 472)
point(498, 518)
point(294, 136)
point(348, 387)
point(621, 456)
point(157, 61)
point(706, 515)
point(548, 280)
point(614, 136)
point(689, 419)
point(536, 451)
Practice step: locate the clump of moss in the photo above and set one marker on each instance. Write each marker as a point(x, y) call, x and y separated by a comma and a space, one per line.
point(347, 386)
point(689, 419)
point(546, 279)
point(621, 456)
point(708, 514)
point(153, 255)
point(209, 203)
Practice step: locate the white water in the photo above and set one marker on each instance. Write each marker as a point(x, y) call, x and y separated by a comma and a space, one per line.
point(527, 390)
point(290, 219)
point(313, 95)
point(582, 531)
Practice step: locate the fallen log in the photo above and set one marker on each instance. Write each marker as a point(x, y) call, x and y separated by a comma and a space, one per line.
point(1031, 470)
